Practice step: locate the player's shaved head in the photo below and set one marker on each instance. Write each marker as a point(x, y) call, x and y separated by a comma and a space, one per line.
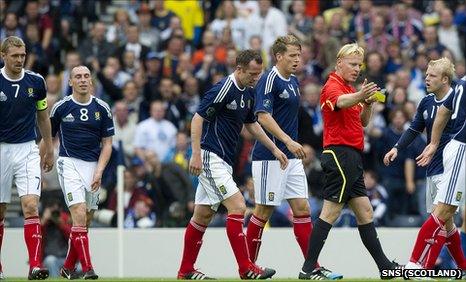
point(79, 68)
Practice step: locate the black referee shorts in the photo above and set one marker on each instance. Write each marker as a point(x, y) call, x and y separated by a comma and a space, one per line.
point(343, 174)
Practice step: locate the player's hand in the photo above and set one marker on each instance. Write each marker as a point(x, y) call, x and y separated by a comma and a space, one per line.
point(96, 181)
point(195, 164)
point(390, 156)
point(368, 89)
point(410, 187)
point(281, 157)
point(296, 149)
point(426, 156)
point(47, 161)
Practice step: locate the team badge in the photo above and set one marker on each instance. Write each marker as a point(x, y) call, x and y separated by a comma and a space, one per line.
point(210, 111)
point(70, 197)
point(97, 115)
point(271, 196)
point(458, 196)
point(222, 189)
point(267, 103)
point(30, 92)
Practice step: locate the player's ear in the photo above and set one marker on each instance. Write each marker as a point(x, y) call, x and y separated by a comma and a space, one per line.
point(70, 83)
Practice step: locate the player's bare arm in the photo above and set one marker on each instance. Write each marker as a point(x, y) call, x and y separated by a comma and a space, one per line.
point(268, 122)
point(46, 146)
point(390, 156)
point(441, 120)
point(102, 162)
point(349, 100)
point(195, 164)
point(259, 134)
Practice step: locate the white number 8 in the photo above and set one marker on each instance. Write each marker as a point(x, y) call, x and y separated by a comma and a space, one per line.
point(84, 116)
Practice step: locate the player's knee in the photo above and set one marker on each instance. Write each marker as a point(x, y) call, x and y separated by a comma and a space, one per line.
point(263, 212)
point(2, 211)
point(330, 215)
point(30, 208)
point(444, 212)
point(301, 208)
point(238, 209)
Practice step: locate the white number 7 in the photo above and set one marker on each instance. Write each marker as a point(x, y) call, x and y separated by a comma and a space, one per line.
point(17, 89)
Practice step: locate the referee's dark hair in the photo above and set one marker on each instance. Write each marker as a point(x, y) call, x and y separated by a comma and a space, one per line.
point(246, 56)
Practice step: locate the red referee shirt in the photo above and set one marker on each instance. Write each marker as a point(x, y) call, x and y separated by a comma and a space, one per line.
point(341, 126)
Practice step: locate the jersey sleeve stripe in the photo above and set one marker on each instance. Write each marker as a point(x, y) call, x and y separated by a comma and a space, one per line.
point(223, 91)
point(58, 104)
point(105, 105)
point(36, 74)
point(268, 86)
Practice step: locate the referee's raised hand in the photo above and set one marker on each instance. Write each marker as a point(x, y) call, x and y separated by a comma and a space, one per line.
point(296, 149)
point(368, 89)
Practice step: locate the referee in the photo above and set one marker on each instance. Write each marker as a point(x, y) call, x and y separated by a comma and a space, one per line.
point(345, 111)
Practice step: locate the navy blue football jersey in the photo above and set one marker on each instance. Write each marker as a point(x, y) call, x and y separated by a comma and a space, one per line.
point(279, 97)
point(424, 119)
point(457, 105)
point(81, 127)
point(225, 108)
point(20, 99)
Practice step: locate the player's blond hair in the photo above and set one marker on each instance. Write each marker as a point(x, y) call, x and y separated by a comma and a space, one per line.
point(350, 49)
point(281, 43)
point(11, 41)
point(445, 66)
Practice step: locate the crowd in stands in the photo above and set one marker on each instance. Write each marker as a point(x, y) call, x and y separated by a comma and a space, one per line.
point(153, 60)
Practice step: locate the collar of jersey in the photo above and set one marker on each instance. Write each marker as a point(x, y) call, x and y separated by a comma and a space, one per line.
point(9, 79)
point(232, 76)
point(82, 104)
point(275, 69)
point(444, 98)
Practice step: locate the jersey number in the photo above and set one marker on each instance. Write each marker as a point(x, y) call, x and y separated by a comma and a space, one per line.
point(17, 89)
point(459, 91)
point(84, 116)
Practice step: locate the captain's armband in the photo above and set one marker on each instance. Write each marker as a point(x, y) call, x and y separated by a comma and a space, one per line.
point(42, 104)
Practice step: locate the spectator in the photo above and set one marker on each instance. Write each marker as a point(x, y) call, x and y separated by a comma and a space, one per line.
point(298, 22)
point(155, 134)
point(191, 16)
point(141, 215)
point(132, 44)
point(148, 35)
point(96, 45)
point(310, 117)
point(161, 17)
point(125, 128)
point(116, 32)
point(175, 108)
point(269, 22)
point(72, 60)
point(378, 39)
point(43, 21)
point(56, 228)
point(10, 26)
point(406, 30)
point(377, 195)
point(227, 18)
point(448, 34)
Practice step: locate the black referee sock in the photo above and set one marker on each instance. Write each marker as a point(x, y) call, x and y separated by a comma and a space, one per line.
point(316, 243)
point(371, 242)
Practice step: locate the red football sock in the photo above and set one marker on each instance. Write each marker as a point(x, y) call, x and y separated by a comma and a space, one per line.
point(33, 238)
point(81, 245)
point(238, 240)
point(454, 246)
point(192, 246)
point(435, 249)
point(254, 235)
point(302, 227)
point(425, 239)
point(2, 227)
point(71, 255)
